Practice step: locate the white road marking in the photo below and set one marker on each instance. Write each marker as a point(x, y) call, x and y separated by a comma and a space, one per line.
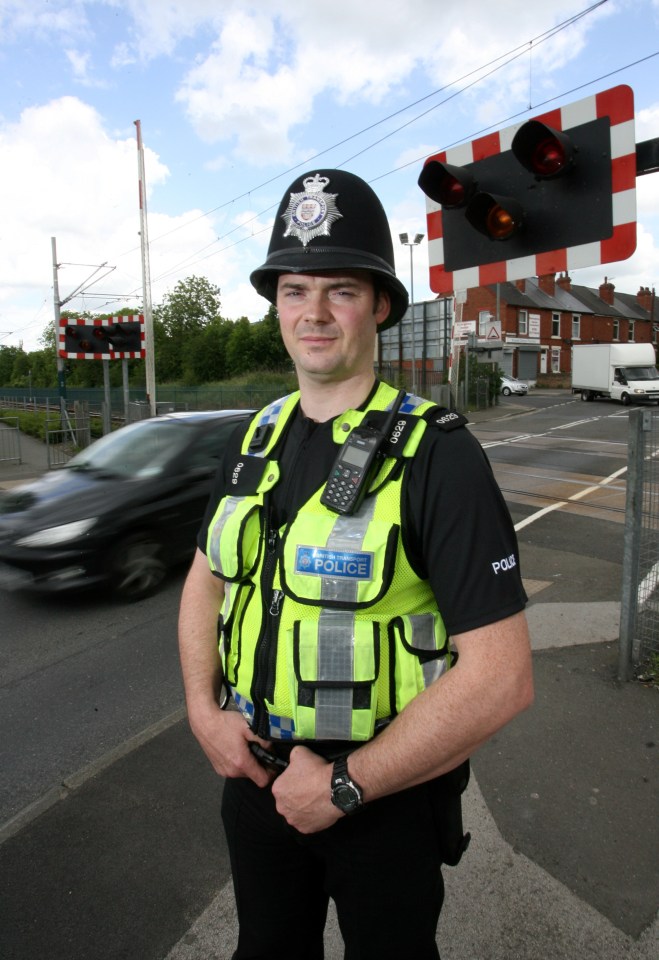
point(574, 497)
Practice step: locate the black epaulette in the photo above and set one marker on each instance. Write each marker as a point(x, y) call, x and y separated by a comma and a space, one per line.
point(445, 419)
point(245, 474)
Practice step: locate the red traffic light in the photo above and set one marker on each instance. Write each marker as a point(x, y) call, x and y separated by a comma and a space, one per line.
point(446, 184)
point(496, 217)
point(546, 152)
point(119, 338)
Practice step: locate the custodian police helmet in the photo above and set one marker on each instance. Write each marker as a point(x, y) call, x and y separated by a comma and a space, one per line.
point(331, 220)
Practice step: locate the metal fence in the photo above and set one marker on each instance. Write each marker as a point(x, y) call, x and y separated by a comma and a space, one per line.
point(10, 440)
point(209, 397)
point(639, 613)
point(63, 441)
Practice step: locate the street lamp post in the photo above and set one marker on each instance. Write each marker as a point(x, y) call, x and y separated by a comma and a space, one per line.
point(404, 239)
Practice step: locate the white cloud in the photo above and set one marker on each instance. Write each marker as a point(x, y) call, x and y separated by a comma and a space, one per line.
point(79, 185)
point(267, 80)
point(62, 17)
point(81, 64)
point(264, 75)
point(261, 68)
point(647, 121)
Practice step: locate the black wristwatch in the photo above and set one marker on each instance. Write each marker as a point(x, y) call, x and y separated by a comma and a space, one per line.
point(346, 794)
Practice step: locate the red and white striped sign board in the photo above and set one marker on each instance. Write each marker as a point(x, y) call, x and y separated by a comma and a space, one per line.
point(109, 353)
point(617, 104)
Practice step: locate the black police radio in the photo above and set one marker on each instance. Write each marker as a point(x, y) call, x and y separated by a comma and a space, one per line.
point(356, 465)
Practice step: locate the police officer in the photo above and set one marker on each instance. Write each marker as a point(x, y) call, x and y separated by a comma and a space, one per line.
point(370, 636)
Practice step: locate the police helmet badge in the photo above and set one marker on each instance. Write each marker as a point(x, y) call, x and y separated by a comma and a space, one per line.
point(311, 212)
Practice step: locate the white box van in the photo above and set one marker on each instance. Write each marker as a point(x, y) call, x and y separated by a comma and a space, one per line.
point(622, 371)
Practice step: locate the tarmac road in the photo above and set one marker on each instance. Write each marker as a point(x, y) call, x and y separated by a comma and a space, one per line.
point(127, 860)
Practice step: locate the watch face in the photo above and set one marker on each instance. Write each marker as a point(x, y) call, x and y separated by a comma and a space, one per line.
point(345, 797)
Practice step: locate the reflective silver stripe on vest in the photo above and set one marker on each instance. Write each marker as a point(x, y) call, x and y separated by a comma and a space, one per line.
point(230, 506)
point(335, 663)
point(423, 638)
point(347, 534)
point(226, 605)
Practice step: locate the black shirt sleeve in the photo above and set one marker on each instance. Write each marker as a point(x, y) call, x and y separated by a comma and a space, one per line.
point(459, 533)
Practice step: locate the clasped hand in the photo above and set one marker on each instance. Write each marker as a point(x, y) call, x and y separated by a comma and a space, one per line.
point(301, 792)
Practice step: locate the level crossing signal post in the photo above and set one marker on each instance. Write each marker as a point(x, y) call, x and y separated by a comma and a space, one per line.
point(550, 195)
point(112, 338)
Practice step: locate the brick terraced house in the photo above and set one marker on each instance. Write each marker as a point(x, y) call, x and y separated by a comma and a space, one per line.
point(528, 327)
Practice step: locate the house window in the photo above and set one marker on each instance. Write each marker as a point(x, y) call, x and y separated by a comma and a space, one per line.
point(484, 317)
point(616, 329)
point(576, 326)
point(555, 360)
point(630, 335)
point(555, 324)
point(522, 323)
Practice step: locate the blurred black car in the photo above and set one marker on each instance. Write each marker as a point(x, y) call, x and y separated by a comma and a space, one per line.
point(120, 513)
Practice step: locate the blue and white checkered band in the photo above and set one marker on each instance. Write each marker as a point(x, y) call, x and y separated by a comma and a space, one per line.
point(311, 213)
point(319, 562)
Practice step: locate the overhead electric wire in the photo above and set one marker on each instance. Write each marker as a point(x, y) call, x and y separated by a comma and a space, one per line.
point(513, 54)
point(519, 113)
point(507, 58)
point(479, 74)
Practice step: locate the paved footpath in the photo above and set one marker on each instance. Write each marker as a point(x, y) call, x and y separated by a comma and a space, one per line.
point(126, 860)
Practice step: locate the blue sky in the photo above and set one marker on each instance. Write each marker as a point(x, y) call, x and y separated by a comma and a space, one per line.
point(236, 98)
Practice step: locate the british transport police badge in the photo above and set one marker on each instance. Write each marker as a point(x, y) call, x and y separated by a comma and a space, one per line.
point(311, 213)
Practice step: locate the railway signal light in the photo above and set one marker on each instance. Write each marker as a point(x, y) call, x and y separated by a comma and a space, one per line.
point(446, 184)
point(117, 338)
point(496, 217)
point(552, 194)
point(545, 152)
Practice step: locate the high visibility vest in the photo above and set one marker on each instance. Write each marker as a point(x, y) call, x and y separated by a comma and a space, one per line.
point(326, 631)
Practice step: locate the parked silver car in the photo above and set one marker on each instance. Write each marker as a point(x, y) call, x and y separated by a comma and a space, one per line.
point(512, 385)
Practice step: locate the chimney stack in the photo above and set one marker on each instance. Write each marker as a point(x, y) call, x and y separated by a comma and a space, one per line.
point(565, 282)
point(644, 298)
point(606, 292)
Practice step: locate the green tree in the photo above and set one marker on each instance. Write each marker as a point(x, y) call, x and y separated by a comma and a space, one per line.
point(179, 319)
point(206, 358)
point(268, 345)
point(241, 349)
point(43, 366)
point(7, 359)
point(20, 371)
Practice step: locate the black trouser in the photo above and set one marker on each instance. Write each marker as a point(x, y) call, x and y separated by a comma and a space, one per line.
point(382, 867)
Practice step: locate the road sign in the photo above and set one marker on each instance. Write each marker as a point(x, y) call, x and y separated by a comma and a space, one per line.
point(462, 330)
point(550, 195)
